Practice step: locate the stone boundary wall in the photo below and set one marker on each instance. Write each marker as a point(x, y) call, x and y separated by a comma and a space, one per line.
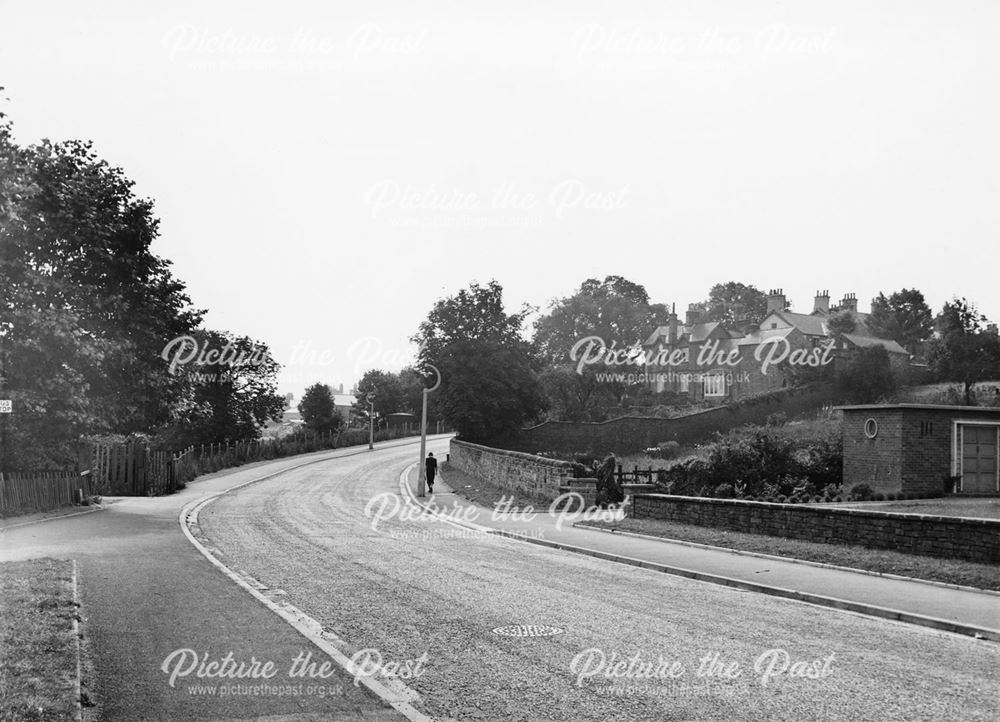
point(976, 540)
point(533, 476)
point(634, 433)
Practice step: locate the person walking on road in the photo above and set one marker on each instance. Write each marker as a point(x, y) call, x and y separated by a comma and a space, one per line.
point(431, 465)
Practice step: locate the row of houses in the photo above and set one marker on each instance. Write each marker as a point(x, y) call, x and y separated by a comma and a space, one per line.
point(712, 361)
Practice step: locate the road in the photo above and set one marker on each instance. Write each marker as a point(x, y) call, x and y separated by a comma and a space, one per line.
point(420, 589)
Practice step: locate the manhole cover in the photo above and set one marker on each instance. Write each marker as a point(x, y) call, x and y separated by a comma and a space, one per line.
point(528, 630)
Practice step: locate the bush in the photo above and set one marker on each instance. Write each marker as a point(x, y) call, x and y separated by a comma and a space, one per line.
point(664, 450)
point(724, 491)
point(860, 492)
point(879, 496)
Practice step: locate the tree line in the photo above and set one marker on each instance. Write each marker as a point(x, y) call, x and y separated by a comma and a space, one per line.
point(496, 378)
point(87, 311)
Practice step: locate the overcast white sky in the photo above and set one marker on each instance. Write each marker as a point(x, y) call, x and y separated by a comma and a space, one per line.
point(324, 174)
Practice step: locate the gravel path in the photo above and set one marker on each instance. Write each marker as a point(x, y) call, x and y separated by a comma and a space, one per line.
point(412, 587)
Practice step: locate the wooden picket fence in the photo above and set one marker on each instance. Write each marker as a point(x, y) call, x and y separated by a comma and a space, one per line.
point(41, 491)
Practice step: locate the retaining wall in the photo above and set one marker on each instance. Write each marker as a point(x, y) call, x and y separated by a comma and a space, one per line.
point(531, 475)
point(976, 540)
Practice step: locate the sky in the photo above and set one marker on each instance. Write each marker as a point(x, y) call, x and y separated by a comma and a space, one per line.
point(324, 172)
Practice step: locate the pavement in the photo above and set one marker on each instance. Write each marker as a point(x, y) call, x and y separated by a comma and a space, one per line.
point(147, 592)
point(958, 610)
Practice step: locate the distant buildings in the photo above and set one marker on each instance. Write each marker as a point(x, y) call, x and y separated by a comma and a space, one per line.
point(711, 361)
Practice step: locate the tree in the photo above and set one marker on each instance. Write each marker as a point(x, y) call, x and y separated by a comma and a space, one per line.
point(964, 350)
point(867, 376)
point(903, 317)
point(318, 409)
point(841, 323)
point(615, 310)
point(230, 391)
point(733, 302)
point(85, 307)
point(387, 390)
point(489, 383)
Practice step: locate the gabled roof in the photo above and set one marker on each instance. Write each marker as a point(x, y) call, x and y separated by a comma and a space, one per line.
point(759, 336)
point(806, 323)
point(695, 333)
point(869, 341)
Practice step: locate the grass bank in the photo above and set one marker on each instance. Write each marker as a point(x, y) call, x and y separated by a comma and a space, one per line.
point(38, 646)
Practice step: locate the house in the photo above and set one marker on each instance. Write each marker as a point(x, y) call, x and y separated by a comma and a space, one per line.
point(921, 448)
point(709, 361)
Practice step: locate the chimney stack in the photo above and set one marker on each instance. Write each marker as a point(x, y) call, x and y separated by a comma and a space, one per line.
point(695, 314)
point(991, 329)
point(849, 302)
point(822, 302)
point(776, 300)
point(672, 325)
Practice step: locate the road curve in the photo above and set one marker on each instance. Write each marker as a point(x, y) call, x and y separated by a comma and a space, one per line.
point(415, 587)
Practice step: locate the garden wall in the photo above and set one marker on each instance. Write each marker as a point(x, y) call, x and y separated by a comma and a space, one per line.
point(530, 475)
point(976, 540)
point(634, 433)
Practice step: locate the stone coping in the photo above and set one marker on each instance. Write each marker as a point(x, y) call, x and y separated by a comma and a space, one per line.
point(827, 510)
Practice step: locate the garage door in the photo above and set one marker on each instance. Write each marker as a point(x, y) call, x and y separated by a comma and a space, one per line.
point(979, 459)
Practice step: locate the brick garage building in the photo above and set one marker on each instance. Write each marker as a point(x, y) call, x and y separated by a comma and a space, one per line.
point(912, 448)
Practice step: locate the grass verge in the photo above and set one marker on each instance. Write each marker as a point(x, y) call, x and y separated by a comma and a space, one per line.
point(38, 646)
point(949, 571)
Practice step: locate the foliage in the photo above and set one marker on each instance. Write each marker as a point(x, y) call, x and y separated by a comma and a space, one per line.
point(86, 306)
point(860, 492)
point(735, 302)
point(903, 317)
point(318, 409)
point(229, 395)
point(615, 310)
point(489, 384)
point(761, 462)
point(867, 376)
point(842, 322)
point(964, 350)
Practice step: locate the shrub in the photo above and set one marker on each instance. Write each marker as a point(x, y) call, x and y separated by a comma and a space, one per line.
point(878, 496)
point(724, 491)
point(838, 498)
point(860, 492)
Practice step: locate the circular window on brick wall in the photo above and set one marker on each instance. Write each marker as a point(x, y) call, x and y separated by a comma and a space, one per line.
point(871, 428)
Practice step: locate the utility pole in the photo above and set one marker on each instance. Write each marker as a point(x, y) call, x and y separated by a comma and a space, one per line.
point(422, 477)
point(371, 420)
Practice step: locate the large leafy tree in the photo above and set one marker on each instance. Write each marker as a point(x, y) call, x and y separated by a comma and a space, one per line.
point(47, 354)
point(616, 310)
point(964, 350)
point(734, 302)
point(318, 410)
point(388, 394)
point(489, 384)
point(229, 391)
point(904, 317)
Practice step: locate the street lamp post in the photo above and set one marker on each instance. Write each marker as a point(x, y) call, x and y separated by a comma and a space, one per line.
point(371, 420)
point(422, 477)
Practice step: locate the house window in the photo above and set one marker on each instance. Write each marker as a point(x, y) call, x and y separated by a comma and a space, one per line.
point(926, 428)
point(685, 383)
point(715, 385)
point(774, 324)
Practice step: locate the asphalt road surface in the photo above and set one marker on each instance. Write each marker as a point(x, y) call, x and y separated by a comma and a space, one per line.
point(636, 644)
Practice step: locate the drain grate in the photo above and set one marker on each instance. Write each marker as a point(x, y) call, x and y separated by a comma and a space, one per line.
point(528, 630)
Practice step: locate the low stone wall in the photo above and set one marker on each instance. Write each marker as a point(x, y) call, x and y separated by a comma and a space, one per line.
point(533, 476)
point(976, 540)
